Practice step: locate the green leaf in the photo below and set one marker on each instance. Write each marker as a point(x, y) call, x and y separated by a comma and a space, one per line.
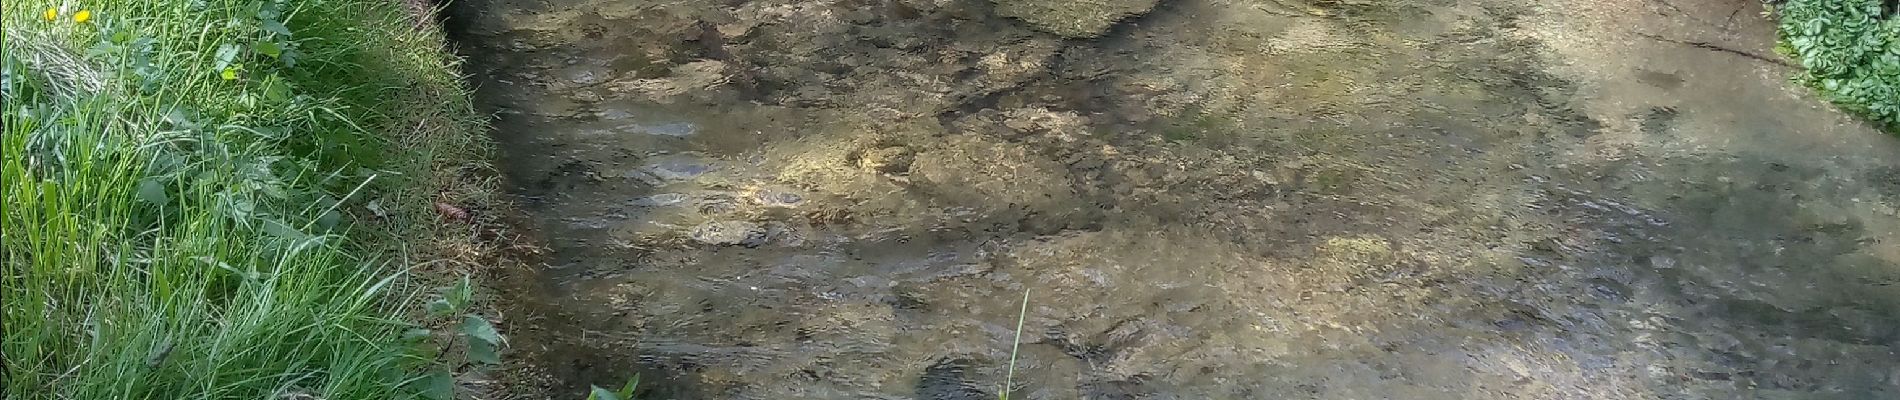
point(439, 385)
point(253, 8)
point(271, 187)
point(598, 393)
point(151, 191)
point(440, 308)
point(241, 207)
point(632, 383)
point(271, 132)
point(102, 48)
point(229, 74)
point(290, 58)
point(329, 220)
point(274, 27)
point(461, 293)
point(1847, 48)
point(478, 328)
point(266, 11)
point(227, 54)
point(271, 49)
point(483, 352)
point(179, 120)
point(416, 334)
point(282, 230)
point(276, 89)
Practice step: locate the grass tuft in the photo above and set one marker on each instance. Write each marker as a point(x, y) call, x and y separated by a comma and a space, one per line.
point(185, 187)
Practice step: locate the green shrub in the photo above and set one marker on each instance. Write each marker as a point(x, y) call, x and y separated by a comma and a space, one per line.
point(1851, 49)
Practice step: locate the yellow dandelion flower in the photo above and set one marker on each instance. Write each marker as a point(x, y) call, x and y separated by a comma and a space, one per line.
point(82, 16)
point(51, 14)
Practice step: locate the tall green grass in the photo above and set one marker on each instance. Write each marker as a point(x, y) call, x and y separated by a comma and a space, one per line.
point(184, 188)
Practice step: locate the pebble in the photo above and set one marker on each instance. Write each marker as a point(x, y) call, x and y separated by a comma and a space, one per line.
point(676, 129)
point(889, 160)
point(613, 114)
point(583, 76)
point(778, 198)
point(1662, 262)
point(729, 233)
point(679, 168)
point(660, 200)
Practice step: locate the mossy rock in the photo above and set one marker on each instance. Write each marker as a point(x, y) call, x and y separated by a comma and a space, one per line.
point(1078, 19)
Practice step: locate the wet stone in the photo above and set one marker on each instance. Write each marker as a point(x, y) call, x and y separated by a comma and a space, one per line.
point(584, 76)
point(729, 233)
point(613, 114)
point(774, 198)
point(679, 168)
point(889, 160)
point(1885, 180)
point(948, 380)
point(661, 200)
point(721, 203)
point(675, 129)
point(785, 235)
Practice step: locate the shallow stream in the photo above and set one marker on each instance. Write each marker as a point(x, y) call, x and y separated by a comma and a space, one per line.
point(1273, 199)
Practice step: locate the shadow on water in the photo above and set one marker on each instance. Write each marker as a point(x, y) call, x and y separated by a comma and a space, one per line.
point(1212, 199)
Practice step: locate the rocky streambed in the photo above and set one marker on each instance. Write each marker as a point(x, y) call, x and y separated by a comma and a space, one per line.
point(1328, 199)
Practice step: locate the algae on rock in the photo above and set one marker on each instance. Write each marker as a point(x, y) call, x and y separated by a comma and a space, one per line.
point(1079, 19)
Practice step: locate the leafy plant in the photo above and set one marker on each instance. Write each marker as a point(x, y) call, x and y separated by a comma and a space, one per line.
point(481, 343)
point(625, 392)
point(1851, 49)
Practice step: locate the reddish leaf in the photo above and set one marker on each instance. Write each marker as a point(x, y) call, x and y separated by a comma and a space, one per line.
point(451, 212)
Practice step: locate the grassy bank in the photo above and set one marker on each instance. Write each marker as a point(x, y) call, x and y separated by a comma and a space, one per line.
point(1851, 49)
point(227, 198)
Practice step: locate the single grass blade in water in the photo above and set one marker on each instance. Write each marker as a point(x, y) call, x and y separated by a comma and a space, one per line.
point(1009, 379)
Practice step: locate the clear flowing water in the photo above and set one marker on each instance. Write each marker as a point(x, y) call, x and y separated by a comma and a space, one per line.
point(1277, 199)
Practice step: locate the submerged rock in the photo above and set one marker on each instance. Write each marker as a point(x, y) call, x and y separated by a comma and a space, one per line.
point(661, 200)
point(729, 233)
point(777, 198)
point(1078, 19)
point(674, 129)
point(678, 168)
point(888, 160)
